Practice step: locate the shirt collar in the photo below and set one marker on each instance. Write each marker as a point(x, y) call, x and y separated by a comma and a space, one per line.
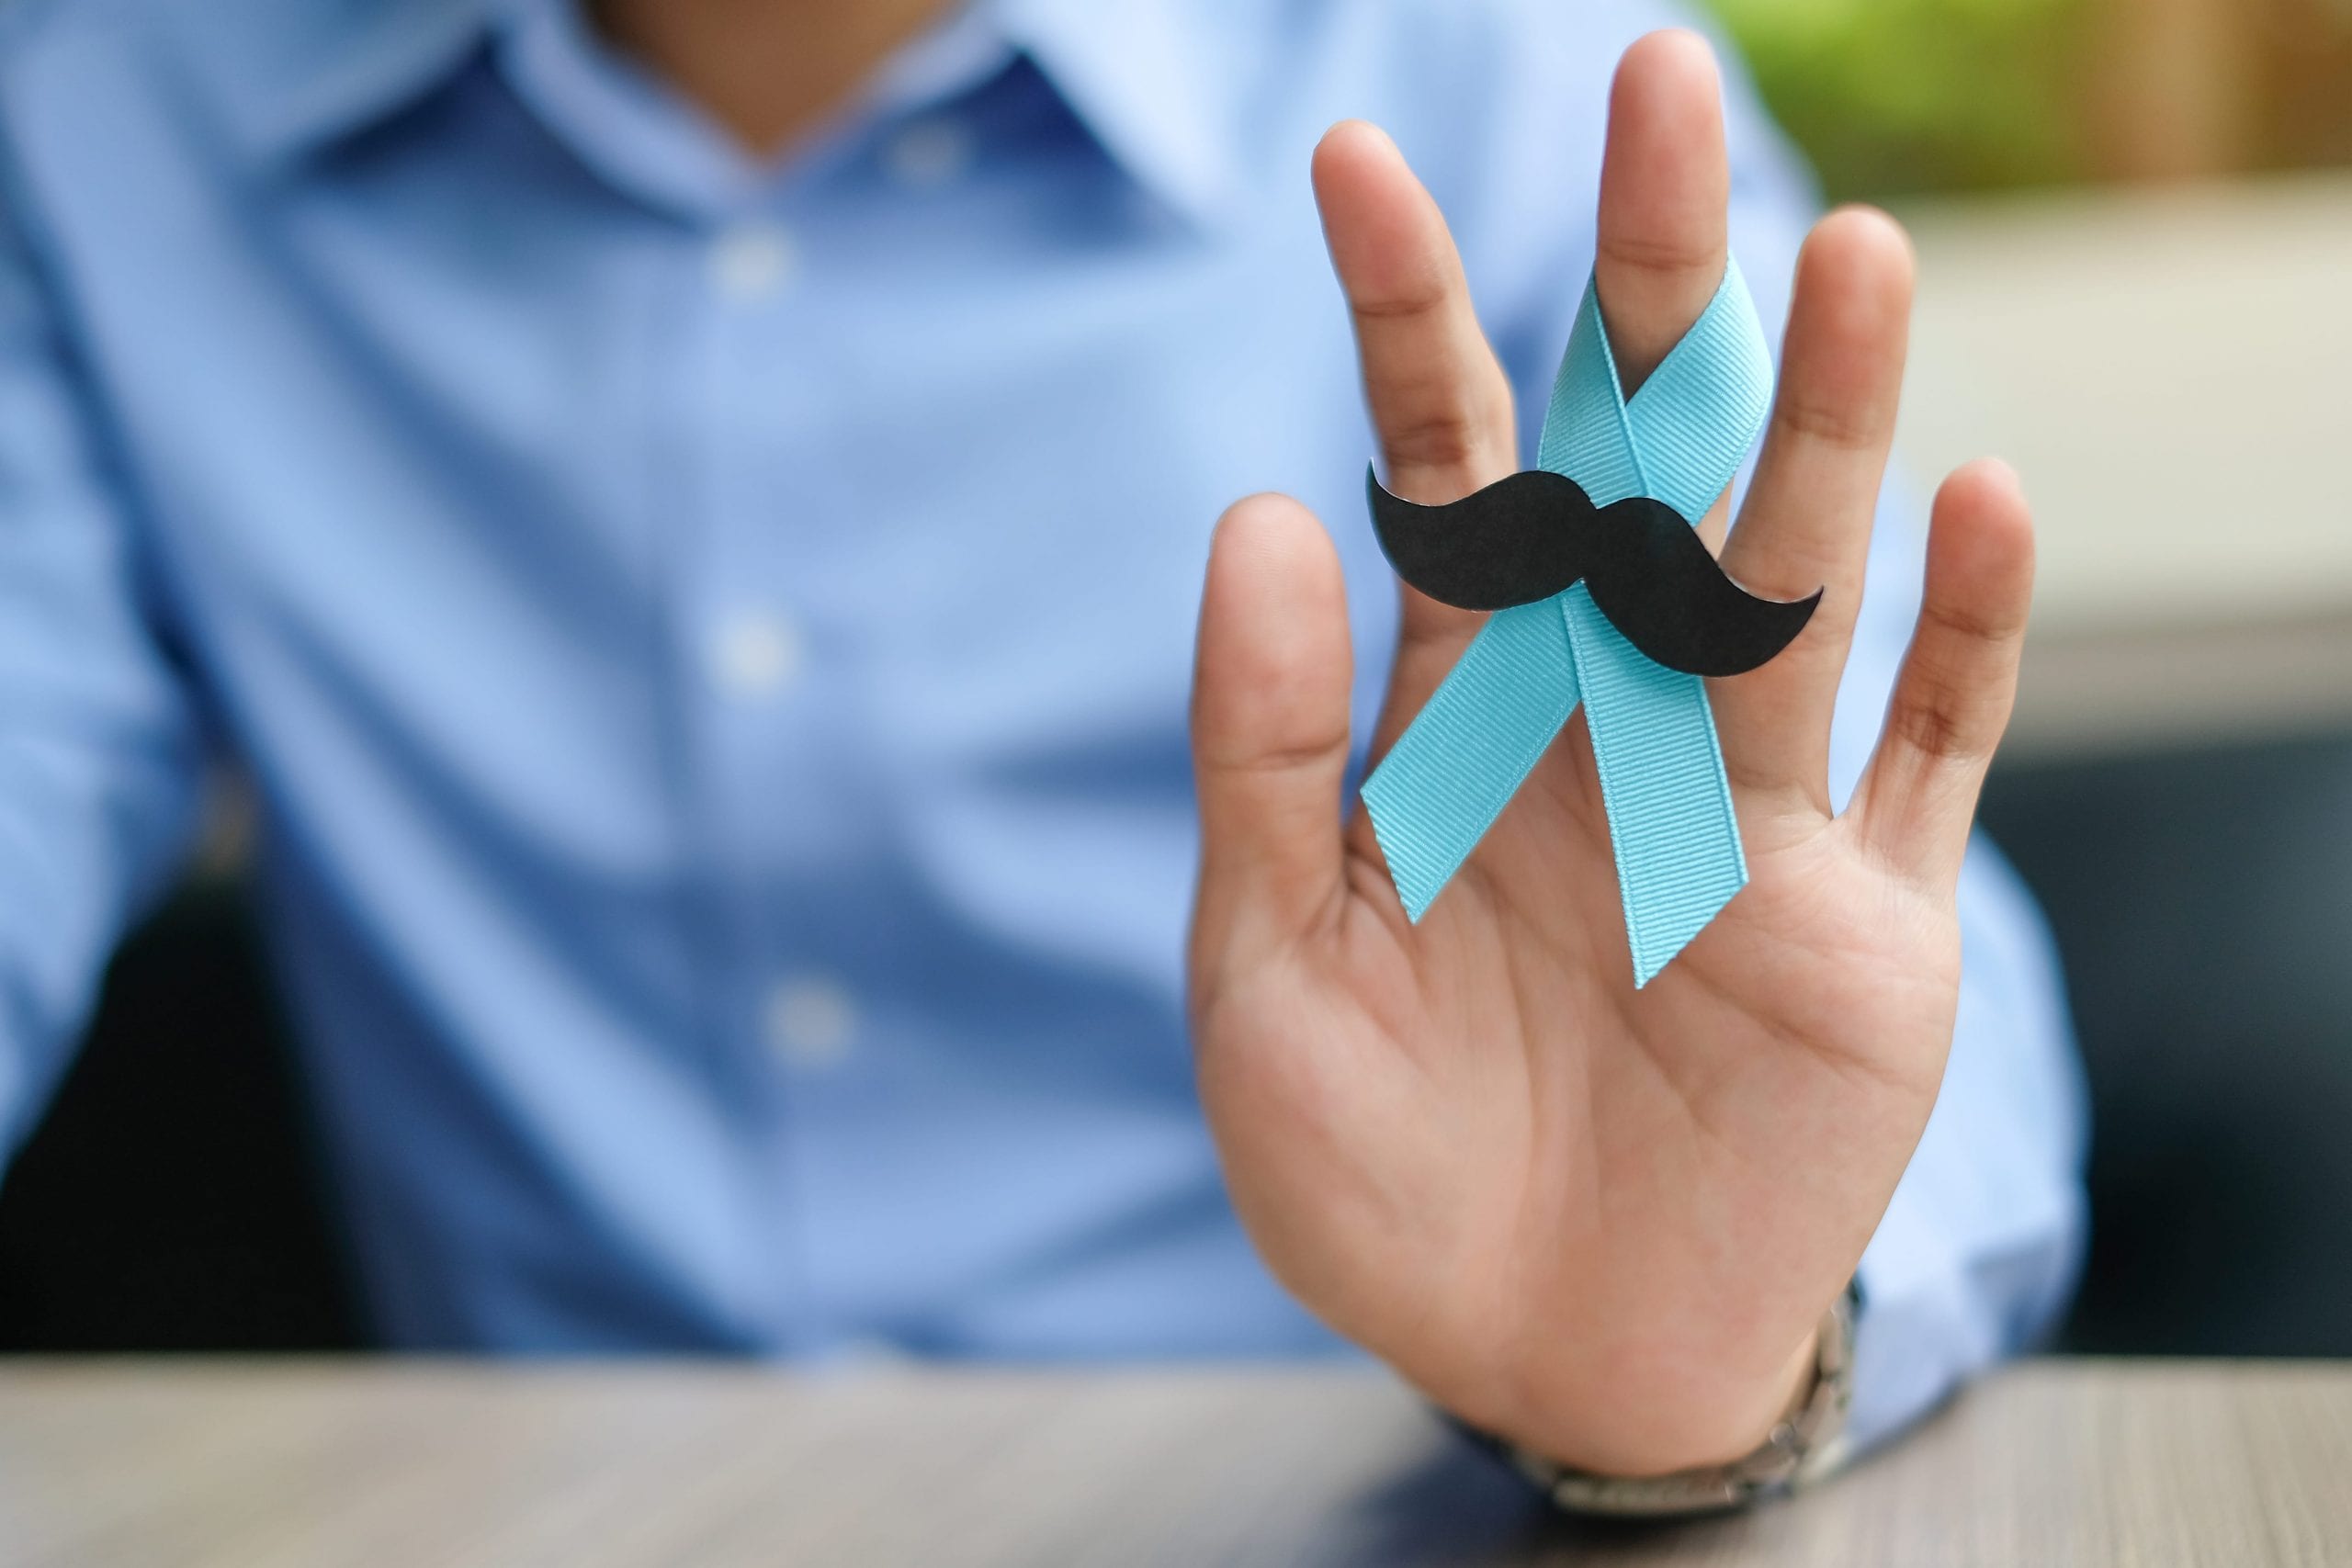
point(287, 76)
point(1152, 84)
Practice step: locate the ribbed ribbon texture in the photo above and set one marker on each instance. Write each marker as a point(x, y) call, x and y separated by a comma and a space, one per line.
point(1680, 440)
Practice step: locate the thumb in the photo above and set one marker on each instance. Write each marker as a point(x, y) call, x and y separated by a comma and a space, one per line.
point(1270, 729)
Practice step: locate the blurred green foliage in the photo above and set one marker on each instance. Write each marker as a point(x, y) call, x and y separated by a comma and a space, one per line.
point(1894, 97)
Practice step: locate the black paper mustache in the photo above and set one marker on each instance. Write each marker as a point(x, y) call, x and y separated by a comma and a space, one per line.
point(1537, 534)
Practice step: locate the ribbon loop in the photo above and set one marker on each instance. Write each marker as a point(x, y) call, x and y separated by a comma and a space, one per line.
point(1681, 439)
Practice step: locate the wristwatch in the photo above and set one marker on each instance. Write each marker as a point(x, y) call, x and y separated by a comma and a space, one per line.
point(1806, 1444)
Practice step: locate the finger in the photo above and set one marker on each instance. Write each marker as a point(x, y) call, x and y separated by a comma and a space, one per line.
point(1441, 403)
point(1270, 729)
point(1806, 524)
point(1665, 188)
point(1952, 699)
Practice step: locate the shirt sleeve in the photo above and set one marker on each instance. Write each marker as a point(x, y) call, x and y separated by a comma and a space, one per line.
point(99, 748)
point(1978, 1251)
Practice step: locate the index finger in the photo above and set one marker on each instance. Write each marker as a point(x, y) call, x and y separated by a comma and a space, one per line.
point(1439, 400)
point(1441, 404)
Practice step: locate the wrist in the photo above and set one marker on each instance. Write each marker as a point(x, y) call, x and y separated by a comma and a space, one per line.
point(1664, 1406)
point(1804, 1440)
point(1621, 1430)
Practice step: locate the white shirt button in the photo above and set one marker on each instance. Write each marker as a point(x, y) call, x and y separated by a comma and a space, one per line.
point(809, 1022)
point(929, 153)
point(754, 655)
point(750, 262)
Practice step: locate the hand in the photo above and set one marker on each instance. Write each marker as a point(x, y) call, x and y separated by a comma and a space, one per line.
point(1601, 1223)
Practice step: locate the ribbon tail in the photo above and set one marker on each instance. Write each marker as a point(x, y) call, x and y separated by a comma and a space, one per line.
point(1671, 822)
point(1450, 774)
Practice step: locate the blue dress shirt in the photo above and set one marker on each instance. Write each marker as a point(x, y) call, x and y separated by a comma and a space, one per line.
point(710, 641)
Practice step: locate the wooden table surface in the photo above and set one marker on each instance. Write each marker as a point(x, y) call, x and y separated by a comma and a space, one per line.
point(254, 1464)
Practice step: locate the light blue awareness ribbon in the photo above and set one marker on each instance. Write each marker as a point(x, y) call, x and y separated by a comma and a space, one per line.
point(1680, 440)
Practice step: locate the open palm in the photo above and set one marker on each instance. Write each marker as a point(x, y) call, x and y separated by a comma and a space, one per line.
point(1601, 1221)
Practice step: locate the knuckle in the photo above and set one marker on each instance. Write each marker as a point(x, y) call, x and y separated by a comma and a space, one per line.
point(1448, 439)
point(1931, 729)
point(1422, 292)
point(1943, 713)
point(1666, 254)
point(1439, 424)
point(1402, 305)
point(1311, 753)
point(1827, 421)
point(1263, 758)
point(1966, 626)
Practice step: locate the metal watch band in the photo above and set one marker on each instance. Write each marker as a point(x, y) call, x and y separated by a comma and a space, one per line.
point(1807, 1443)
